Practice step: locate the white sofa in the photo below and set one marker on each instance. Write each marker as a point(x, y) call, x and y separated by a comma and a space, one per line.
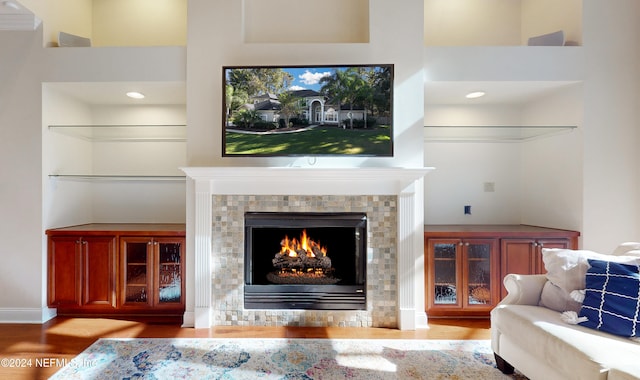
point(530, 332)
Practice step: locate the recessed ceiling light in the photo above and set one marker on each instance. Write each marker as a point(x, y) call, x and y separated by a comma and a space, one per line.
point(475, 94)
point(135, 95)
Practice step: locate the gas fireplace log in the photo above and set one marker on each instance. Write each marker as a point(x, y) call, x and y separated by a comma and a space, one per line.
point(284, 261)
point(321, 262)
point(317, 252)
point(303, 262)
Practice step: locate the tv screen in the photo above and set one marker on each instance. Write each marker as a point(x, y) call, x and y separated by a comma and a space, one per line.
point(308, 110)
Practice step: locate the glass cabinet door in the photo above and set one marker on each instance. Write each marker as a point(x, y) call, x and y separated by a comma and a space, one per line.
point(170, 272)
point(478, 275)
point(445, 273)
point(461, 276)
point(137, 275)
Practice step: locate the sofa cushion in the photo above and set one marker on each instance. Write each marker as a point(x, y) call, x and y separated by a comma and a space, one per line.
point(630, 248)
point(612, 298)
point(555, 298)
point(566, 268)
point(575, 351)
point(624, 371)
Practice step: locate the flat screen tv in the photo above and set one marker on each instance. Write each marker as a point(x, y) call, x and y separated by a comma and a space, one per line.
point(321, 110)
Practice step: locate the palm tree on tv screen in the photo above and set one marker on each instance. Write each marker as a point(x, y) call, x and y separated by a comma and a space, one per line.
point(346, 87)
point(288, 106)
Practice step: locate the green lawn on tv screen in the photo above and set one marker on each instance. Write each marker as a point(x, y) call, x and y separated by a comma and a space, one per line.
point(315, 141)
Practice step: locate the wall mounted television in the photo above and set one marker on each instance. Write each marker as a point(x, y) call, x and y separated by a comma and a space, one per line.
point(314, 110)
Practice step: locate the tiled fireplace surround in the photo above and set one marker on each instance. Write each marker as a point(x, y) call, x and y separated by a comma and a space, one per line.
point(218, 197)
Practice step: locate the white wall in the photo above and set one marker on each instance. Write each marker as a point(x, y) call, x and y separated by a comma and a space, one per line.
point(611, 123)
point(499, 22)
point(142, 201)
point(139, 157)
point(586, 180)
point(471, 22)
point(139, 22)
point(23, 274)
point(114, 22)
point(26, 194)
point(70, 202)
point(65, 203)
point(216, 38)
point(309, 19)
point(547, 16)
point(75, 18)
point(537, 181)
point(462, 168)
point(551, 172)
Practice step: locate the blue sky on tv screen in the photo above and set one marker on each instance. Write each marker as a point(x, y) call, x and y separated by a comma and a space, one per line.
point(308, 77)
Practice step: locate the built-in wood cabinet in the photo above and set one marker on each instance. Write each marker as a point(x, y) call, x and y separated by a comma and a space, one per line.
point(152, 272)
point(463, 275)
point(117, 269)
point(82, 272)
point(465, 264)
point(524, 255)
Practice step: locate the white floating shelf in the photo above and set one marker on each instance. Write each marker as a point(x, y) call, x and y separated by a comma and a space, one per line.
point(124, 133)
point(89, 177)
point(458, 133)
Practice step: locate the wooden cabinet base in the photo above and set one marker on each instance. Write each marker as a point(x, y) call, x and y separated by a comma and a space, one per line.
point(169, 317)
point(465, 264)
point(166, 317)
point(117, 271)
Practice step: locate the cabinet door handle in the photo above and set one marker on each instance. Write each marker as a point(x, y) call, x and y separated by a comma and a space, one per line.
point(466, 244)
point(540, 244)
point(534, 244)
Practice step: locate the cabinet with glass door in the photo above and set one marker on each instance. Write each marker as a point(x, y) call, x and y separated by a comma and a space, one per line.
point(462, 276)
point(465, 264)
point(152, 272)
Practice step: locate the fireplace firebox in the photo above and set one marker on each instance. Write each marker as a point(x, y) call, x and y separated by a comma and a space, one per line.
point(305, 261)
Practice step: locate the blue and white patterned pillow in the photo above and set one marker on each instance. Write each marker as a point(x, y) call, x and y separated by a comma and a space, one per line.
point(612, 298)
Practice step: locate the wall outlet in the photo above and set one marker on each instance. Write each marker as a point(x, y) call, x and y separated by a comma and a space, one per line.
point(489, 187)
point(467, 210)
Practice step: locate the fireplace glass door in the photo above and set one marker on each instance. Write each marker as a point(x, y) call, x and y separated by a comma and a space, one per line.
point(305, 260)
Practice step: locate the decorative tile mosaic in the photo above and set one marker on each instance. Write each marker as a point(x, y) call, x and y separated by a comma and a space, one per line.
point(228, 260)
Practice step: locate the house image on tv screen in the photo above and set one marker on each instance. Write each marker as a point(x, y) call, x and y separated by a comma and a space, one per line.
point(278, 100)
point(311, 107)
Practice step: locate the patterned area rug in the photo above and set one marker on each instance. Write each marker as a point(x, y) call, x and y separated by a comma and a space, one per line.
point(208, 358)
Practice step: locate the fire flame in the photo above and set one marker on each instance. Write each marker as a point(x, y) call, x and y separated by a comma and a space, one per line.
point(291, 247)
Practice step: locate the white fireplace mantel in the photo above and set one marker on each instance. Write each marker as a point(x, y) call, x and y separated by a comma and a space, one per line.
point(406, 183)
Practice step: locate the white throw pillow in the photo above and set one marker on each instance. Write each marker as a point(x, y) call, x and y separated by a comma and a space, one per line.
point(554, 298)
point(630, 248)
point(567, 268)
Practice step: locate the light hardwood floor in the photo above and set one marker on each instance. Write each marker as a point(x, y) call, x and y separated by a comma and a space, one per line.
point(34, 351)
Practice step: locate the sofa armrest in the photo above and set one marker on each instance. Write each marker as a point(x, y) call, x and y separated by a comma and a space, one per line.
point(524, 289)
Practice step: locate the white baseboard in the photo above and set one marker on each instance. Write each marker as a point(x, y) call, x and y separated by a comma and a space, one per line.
point(422, 321)
point(189, 319)
point(406, 319)
point(26, 315)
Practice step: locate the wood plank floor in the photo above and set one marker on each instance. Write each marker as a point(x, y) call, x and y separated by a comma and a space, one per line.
point(34, 351)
